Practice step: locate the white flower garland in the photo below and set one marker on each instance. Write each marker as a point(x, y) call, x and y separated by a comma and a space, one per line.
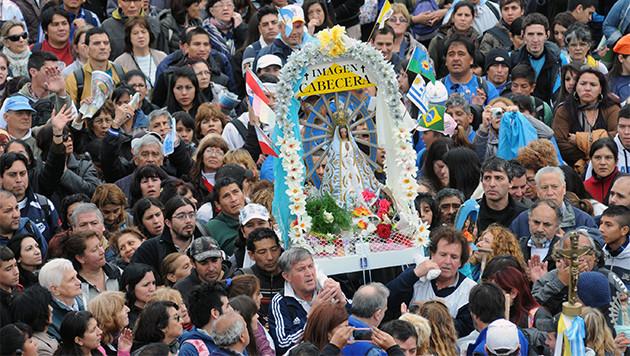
point(292, 163)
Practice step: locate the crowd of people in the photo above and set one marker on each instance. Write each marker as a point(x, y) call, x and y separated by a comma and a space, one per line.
point(148, 228)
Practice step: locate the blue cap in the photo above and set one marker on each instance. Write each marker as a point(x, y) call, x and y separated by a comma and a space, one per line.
point(18, 103)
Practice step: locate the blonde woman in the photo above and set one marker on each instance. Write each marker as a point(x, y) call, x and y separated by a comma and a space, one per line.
point(111, 314)
point(15, 41)
point(166, 294)
point(599, 340)
point(443, 340)
point(423, 331)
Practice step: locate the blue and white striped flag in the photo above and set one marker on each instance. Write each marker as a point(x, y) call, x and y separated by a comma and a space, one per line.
point(417, 95)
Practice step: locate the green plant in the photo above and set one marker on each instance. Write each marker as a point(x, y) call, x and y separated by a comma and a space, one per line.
point(322, 223)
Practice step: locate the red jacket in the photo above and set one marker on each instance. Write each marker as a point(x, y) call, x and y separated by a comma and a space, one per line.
point(600, 187)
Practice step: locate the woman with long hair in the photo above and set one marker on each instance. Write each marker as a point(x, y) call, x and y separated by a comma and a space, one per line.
point(524, 309)
point(173, 295)
point(316, 16)
point(148, 217)
point(599, 337)
point(323, 321)
point(184, 93)
point(4, 72)
point(604, 158)
point(209, 89)
point(590, 108)
point(138, 283)
point(138, 54)
point(443, 340)
point(208, 159)
point(434, 170)
point(158, 322)
point(568, 76)
point(558, 27)
point(15, 41)
point(501, 241)
point(28, 256)
point(111, 201)
point(248, 309)
point(17, 339)
point(80, 335)
point(464, 170)
point(427, 209)
point(85, 250)
point(112, 317)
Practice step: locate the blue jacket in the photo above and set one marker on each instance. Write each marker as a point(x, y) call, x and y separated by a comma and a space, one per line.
point(287, 319)
point(617, 18)
point(59, 312)
point(520, 225)
point(361, 348)
point(188, 349)
point(41, 211)
point(479, 345)
point(24, 229)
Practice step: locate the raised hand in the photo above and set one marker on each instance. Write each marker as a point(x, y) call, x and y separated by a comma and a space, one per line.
point(382, 339)
point(54, 82)
point(125, 340)
point(536, 268)
point(60, 119)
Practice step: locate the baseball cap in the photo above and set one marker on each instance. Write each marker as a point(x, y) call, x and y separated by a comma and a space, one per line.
point(298, 13)
point(623, 45)
point(502, 337)
point(497, 56)
point(436, 93)
point(253, 211)
point(235, 171)
point(204, 247)
point(17, 103)
point(269, 60)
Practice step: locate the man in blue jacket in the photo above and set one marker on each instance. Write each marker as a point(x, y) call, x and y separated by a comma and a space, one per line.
point(206, 303)
point(369, 304)
point(302, 292)
point(12, 224)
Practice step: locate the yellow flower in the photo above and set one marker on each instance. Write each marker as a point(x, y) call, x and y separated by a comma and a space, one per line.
point(336, 32)
point(337, 50)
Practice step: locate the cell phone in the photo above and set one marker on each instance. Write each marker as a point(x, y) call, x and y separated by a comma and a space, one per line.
point(362, 334)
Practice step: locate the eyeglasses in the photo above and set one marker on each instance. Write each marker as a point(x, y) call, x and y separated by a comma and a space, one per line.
point(15, 38)
point(576, 44)
point(214, 152)
point(219, 6)
point(183, 216)
point(401, 20)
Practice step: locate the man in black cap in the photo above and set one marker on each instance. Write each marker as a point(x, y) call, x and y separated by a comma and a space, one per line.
point(208, 263)
point(498, 68)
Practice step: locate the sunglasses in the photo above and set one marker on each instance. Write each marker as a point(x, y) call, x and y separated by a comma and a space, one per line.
point(15, 38)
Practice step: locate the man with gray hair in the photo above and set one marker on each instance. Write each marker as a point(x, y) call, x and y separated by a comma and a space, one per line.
point(303, 290)
point(459, 109)
point(551, 185)
point(369, 305)
point(544, 218)
point(87, 217)
point(551, 289)
point(229, 332)
point(121, 156)
point(159, 121)
point(449, 200)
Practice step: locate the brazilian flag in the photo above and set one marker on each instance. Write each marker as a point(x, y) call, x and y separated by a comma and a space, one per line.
point(433, 119)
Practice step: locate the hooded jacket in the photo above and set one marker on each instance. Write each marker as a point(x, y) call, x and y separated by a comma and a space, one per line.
point(187, 348)
point(600, 187)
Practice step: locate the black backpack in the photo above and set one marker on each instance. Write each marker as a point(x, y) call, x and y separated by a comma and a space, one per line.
point(79, 75)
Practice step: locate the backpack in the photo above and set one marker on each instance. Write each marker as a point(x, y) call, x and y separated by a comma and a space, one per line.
point(43, 110)
point(79, 75)
point(500, 35)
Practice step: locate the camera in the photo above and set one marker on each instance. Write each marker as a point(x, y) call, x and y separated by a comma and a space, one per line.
point(497, 112)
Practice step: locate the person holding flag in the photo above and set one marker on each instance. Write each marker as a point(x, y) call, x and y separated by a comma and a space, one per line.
point(292, 36)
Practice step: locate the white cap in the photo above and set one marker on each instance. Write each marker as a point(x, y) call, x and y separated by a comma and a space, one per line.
point(269, 60)
point(436, 93)
point(502, 337)
point(298, 13)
